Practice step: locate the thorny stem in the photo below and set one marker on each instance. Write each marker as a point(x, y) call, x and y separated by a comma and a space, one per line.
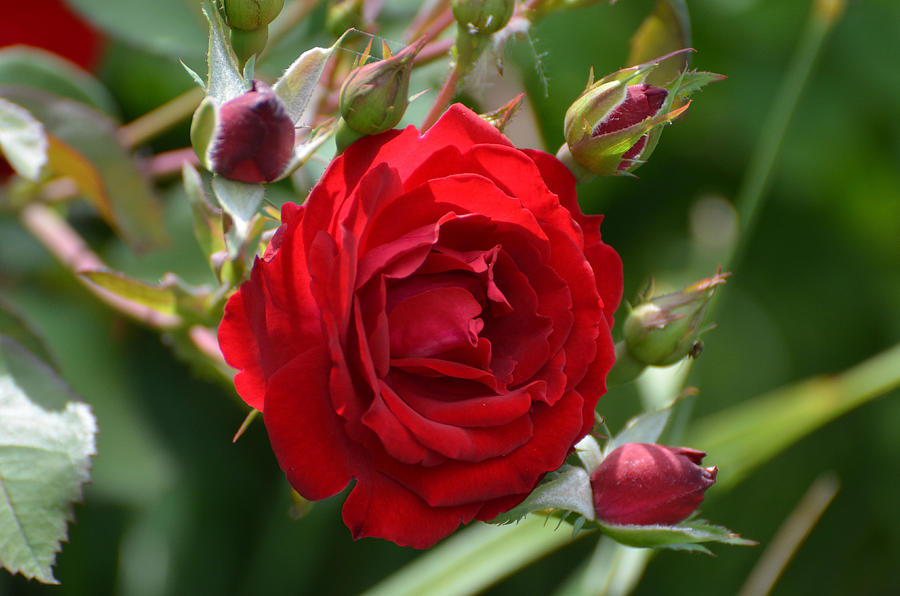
point(71, 250)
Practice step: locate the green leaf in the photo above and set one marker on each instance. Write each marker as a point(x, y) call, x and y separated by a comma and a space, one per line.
point(473, 559)
point(159, 298)
point(22, 140)
point(694, 80)
point(686, 536)
point(207, 218)
point(568, 489)
point(296, 85)
point(240, 201)
point(93, 135)
point(645, 428)
point(752, 432)
point(665, 30)
point(224, 80)
point(13, 327)
point(169, 27)
point(67, 161)
point(46, 440)
point(34, 67)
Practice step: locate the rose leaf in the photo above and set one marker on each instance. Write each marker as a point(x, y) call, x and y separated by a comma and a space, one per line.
point(22, 140)
point(686, 536)
point(224, 80)
point(46, 440)
point(568, 489)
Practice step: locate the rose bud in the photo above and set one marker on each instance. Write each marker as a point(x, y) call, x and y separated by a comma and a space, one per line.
point(663, 330)
point(644, 484)
point(247, 43)
point(251, 14)
point(249, 138)
point(374, 96)
point(614, 126)
point(483, 16)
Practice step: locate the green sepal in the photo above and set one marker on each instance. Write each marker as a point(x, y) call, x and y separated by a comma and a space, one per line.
point(686, 536)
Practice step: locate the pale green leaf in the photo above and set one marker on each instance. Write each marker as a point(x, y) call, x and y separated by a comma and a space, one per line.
point(296, 86)
point(240, 201)
point(645, 428)
point(159, 298)
point(224, 80)
point(474, 559)
point(22, 140)
point(46, 440)
point(207, 218)
point(93, 135)
point(568, 489)
point(34, 67)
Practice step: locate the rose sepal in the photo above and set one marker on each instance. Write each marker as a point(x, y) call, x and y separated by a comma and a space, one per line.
point(688, 535)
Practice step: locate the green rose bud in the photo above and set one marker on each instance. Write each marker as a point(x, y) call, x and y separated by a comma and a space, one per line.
point(614, 125)
point(374, 97)
point(247, 43)
point(664, 330)
point(251, 14)
point(483, 16)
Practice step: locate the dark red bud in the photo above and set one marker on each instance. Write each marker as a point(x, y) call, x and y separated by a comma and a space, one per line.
point(641, 102)
point(255, 137)
point(645, 484)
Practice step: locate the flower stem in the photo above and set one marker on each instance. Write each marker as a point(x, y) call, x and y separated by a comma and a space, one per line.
point(156, 121)
point(445, 96)
point(752, 191)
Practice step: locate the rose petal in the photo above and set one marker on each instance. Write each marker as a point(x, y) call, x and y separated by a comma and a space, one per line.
point(434, 321)
point(306, 435)
point(457, 443)
point(556, 429)
point(380, 507)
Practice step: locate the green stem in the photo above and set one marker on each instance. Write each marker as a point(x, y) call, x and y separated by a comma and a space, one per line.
point(752, 191)
point(139, 131)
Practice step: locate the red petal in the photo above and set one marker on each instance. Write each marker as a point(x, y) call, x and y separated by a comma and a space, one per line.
point(556, 429)
point(455, 442)
point(382, 508)
point(305, 433)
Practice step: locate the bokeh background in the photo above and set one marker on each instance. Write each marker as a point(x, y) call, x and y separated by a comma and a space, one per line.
point(176, 508)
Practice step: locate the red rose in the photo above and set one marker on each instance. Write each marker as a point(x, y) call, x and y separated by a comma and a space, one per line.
point(433, 322)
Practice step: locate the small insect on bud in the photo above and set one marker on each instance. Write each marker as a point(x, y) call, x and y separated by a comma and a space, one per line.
point(664, 329)
point(483, 16)
point(249, 138)
point(646, 484)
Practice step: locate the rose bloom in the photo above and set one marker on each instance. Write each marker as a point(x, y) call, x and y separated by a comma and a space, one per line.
point(433, 322)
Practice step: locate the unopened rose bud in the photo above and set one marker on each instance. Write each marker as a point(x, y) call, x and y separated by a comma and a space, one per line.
point(645, 484)
point(483, 16)
point(249, 138)
point(610, 128)
point(664, 330)
point(251, 14)
point(375, 96)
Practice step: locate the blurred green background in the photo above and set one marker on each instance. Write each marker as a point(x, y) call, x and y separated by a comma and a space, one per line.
point(176, 508)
